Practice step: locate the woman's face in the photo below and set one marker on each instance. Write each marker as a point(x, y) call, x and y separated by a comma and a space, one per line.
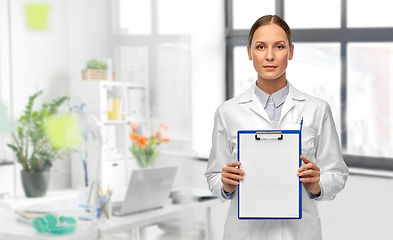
point(270, 52)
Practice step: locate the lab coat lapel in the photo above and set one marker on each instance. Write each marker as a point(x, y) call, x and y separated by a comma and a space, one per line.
point(255, 106)
point(288, 105)
point(289, 111)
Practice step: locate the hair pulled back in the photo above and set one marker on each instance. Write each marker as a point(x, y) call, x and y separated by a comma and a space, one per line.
point(270, 19)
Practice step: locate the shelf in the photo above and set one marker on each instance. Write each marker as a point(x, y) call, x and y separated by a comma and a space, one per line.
point(111, 84)
point(111, 158)
point(122, 84)
point(118, 158)
point(110, 122)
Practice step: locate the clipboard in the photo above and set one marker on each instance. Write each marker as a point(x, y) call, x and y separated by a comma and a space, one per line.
point(271, 188)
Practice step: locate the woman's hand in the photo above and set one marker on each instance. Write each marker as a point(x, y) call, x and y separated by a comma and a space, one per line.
point(310, 176)
point(230, 175)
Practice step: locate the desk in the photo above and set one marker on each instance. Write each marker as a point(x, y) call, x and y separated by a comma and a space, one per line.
point(51, 196)
point(134, 221)
point(11, 229)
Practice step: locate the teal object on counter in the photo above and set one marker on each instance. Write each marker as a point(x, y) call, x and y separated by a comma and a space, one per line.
point(49, 221)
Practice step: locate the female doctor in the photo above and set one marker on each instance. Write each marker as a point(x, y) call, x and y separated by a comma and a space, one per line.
point(273, 103)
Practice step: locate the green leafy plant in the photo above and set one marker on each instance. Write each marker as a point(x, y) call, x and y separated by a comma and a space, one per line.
point(32, 145)
point(95, 64)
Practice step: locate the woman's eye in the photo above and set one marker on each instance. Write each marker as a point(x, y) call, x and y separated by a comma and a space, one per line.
point(279, 47)
point(261, 47)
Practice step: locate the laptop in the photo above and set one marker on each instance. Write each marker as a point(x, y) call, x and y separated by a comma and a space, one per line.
point(148, 189)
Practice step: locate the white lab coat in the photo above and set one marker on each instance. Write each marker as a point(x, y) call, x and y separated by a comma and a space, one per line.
point(320, 144)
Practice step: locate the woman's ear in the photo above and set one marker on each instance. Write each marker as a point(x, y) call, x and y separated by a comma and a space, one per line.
point(291, 52)
point(249, 52)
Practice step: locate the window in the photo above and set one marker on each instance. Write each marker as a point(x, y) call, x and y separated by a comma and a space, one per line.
point(169, 20)
point(350, 57)
point(244, 73)
point(134, 17)
point(178, 48)
point(366, 14)
point(254, 10)
point(312, 14)
point(322, 60)
point(370, 87)
point(151, 48)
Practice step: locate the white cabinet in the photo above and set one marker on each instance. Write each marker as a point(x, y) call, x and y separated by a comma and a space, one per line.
point(114, 105)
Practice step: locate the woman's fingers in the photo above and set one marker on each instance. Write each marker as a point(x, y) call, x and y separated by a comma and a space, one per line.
point(230, 172)
point(309, 176)
point(234, 164)
point(232, 176)
point(309, 179)
point(229, 181)
point(231, 168)
point(308, 165)
point(311, 173)
point(304, 159)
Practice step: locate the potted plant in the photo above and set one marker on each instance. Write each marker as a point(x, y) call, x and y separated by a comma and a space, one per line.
point(33, 148)
point(97, 70)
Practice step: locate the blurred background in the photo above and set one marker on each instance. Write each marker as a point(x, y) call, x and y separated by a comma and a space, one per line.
point(174, 62)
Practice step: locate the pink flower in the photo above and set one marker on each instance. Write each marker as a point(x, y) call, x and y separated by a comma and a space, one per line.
point(164, 126)
point(134, 126)
point(158, 135)
point(165, 136)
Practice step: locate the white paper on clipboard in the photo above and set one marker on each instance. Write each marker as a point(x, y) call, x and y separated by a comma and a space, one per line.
point(271, 188)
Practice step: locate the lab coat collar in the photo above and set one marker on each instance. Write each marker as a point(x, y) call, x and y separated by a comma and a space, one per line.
point(295, 94)
point(249, 95)
point(256, 106)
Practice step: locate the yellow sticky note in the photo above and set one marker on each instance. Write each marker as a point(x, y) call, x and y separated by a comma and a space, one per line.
point(37, 16)
point(63, 131)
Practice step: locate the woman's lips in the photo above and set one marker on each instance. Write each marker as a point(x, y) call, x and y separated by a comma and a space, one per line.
point(270, 67)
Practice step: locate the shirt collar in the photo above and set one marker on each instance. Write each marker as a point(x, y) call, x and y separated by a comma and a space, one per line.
point(278, 97)
point(261, 95)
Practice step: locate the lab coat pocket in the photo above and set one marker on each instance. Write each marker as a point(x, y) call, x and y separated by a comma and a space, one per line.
point(235, 229)
point(308, 138)
point(310, 227)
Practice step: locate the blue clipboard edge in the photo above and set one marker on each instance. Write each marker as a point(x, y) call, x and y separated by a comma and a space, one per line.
point(300, 164)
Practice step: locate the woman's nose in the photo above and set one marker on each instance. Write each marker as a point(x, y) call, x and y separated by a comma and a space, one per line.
point(269, 56)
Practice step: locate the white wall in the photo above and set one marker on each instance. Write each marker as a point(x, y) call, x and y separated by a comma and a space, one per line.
point(47, 59)
point(39, 57)
point(88, 34)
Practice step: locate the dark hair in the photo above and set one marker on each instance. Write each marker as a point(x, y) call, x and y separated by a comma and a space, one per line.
point(270, 19)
